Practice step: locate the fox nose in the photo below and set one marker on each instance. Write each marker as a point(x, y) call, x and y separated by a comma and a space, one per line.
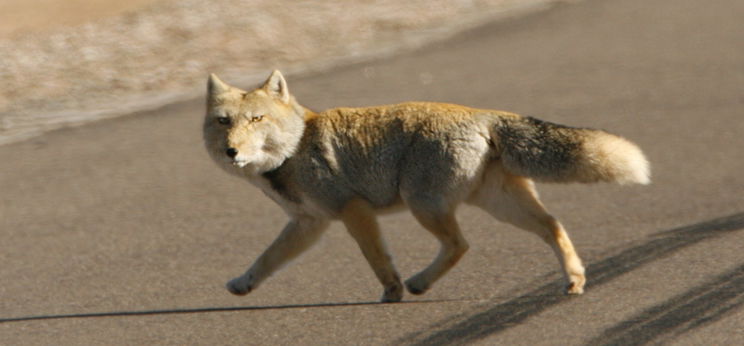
point(232, 152)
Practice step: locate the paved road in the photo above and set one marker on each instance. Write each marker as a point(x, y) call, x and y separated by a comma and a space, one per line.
point(123, 232)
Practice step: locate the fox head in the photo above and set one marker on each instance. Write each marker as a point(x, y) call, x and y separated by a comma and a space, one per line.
point(254, 130)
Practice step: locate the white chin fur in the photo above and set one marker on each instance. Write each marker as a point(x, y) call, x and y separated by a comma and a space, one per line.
point(257, 163)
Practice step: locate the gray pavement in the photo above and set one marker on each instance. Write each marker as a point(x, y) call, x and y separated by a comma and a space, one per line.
point(124, 232)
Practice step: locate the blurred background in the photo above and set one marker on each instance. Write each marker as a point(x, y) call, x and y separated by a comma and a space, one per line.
point(66, 62)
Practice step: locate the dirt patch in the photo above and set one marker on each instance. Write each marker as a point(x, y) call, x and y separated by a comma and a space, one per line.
point(90, 60)
point(18, 17)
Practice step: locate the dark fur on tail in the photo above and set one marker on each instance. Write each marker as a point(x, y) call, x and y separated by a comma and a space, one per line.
point(551, 152)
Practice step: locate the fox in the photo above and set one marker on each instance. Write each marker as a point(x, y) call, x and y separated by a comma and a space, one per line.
point(354, 164)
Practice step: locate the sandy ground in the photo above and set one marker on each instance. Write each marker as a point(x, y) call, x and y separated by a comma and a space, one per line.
point(69, 62)
point(19, 17)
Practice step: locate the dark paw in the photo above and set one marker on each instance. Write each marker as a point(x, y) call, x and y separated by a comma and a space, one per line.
point(393, 294)
point(414, 289)
point(238, 287)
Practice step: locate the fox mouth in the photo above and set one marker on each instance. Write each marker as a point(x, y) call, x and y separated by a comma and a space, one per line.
point(240, 163)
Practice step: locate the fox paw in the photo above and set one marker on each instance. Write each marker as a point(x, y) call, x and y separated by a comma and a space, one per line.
point(393, 294)
point(416, 286)
point(576, 286)
point(240, 286)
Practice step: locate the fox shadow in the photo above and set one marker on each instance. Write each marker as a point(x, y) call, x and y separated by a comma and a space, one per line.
point(205, 310)
point(494, 319)
point(695, 308)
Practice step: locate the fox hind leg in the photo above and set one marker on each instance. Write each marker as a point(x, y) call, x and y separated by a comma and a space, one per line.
point(359, 219)
point(513, 199)
point(443, 225)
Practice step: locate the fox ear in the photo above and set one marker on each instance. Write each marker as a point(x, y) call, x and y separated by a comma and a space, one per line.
point(215, 86)
point(277, 86)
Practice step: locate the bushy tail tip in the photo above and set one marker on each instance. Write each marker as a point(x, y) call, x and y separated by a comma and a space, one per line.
point(615, 159)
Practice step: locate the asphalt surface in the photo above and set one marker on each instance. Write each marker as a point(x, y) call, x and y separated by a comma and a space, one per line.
point(124, 232)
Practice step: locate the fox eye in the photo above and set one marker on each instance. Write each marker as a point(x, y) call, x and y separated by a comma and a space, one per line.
point(224, 120)
point(256, 118)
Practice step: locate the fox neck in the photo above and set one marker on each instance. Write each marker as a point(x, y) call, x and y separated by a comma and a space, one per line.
point(282, 145)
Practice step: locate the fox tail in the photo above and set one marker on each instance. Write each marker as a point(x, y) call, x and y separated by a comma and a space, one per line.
point(555, 153)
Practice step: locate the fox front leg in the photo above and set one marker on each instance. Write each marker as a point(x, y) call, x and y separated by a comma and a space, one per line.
point(298, 235)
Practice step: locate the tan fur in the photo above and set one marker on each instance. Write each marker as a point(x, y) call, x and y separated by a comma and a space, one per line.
point(351, 164)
